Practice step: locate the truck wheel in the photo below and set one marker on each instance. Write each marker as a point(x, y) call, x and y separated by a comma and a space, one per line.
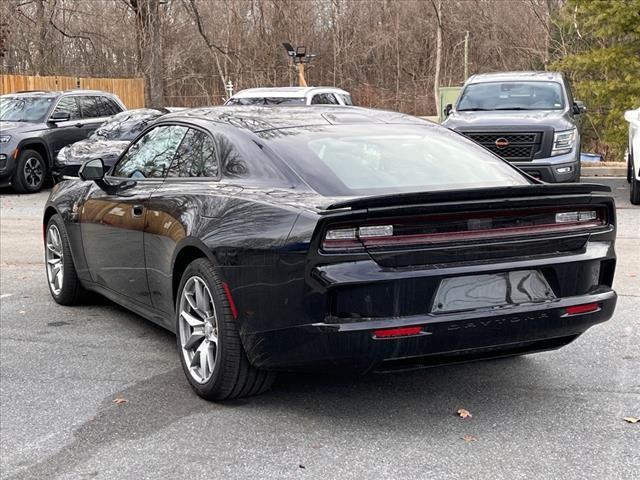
point(209, 345)
point(30, 173)
point(634, 194)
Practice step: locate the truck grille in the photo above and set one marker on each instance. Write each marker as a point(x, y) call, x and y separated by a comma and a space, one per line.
point(510, 146)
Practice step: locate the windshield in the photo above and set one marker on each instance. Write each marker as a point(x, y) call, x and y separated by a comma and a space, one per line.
point(511, 96)
point(348, 160)
point(24, 109)
point(268, 101)
point(126, 125)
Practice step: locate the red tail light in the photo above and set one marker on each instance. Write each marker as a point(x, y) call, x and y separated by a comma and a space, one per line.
point(580, 309)
point(397, 332)
point(469, 226)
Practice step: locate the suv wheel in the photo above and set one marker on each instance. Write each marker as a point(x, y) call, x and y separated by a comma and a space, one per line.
point(209, 345)
point(30, 173)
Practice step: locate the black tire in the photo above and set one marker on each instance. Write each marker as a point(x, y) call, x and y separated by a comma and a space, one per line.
point(30, 173)
point(634, 191)
point(71, 290)
point(233, 376)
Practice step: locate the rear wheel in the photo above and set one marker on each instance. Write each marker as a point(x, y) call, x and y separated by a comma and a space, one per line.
point(30, 173)
point(209, 344)
point(63, 281)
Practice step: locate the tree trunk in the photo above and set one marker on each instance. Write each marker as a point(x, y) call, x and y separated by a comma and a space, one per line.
point(437, 5)
point(41, 39)
point(149, 36)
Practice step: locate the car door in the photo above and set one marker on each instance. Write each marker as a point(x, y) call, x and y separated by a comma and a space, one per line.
point(61, 134)
point(112, 219)
point(170, 214)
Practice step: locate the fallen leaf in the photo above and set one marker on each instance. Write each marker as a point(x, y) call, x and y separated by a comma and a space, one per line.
point(464, 413)
point(632, 419)
point(119, 400)
point(469, 438)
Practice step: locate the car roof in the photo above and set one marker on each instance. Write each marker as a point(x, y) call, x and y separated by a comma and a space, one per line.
point(259, 118)
point(278, 92)
point(53, 93)
point(515, 77)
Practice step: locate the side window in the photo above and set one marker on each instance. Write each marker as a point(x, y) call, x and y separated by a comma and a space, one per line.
point(231, 162)
point(324, 99)
point(89, 107)
point(107, 107)
point(347, 99)
point(152, 154)
point(195, 157)
point(70, 106)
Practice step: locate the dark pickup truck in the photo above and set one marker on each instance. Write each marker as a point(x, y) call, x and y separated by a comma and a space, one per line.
point(527, 118)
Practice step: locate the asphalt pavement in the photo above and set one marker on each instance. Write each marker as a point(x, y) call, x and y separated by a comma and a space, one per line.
point(553, 415)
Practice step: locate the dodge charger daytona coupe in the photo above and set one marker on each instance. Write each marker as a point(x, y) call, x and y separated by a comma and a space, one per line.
point(295, 238)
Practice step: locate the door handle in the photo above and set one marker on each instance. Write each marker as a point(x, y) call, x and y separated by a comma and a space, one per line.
point(137, 210)
point(79, 125)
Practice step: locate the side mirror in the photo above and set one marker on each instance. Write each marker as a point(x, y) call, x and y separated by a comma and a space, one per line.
point(447, 109)
point(579, 108)
point(92, 170)
point(60, 116)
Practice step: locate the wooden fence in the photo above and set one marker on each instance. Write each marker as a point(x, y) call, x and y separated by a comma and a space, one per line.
point(130, 90)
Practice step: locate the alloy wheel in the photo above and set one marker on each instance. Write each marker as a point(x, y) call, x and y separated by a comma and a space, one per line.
point(198, 329)
point(33, 172)
point(54, 256)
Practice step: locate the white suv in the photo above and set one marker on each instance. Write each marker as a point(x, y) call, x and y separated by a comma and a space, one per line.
point(291, 96)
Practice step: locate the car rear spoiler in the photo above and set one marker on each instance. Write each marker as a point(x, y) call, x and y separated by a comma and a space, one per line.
point(413, 198)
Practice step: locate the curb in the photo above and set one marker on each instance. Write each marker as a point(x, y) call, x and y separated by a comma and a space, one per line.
point(604, 171)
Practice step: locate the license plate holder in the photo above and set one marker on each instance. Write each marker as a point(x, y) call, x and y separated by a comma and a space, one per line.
point(471, 292)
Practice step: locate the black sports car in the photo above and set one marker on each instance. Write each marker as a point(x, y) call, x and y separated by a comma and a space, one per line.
point(107, 142)
point(301, 238)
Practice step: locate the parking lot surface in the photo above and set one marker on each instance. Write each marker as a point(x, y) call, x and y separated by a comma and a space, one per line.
point(549, 415)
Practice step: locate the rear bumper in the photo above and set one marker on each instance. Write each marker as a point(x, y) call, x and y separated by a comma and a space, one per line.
point(444, 338)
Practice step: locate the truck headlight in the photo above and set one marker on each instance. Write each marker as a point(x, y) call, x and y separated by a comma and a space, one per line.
point(5, 138)
point(564, 141)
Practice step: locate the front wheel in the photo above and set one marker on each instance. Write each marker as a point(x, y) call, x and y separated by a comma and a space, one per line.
point(63, 281)
point(209, 344)
point(30, 173)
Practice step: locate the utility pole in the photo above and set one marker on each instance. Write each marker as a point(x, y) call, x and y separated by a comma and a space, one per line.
point(466, 56)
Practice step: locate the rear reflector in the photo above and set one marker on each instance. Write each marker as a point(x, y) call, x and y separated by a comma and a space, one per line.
point(579, 309)
point(397, 332)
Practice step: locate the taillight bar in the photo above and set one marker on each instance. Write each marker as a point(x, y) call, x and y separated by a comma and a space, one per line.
point(382, 235)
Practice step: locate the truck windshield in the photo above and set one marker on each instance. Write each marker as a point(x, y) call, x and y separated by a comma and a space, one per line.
point(24, 109)
point(511, 96)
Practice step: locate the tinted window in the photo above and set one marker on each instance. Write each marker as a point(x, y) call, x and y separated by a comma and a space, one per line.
point(126, 125)
point(152, 154)
point(512, 96)
point(346, 98)
point(68, 105)
point(90, 107)
point(373, 159)
point(324, 99)
point(24, 109)
point(108, 107)
point(267, 101)
point(195, 157)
